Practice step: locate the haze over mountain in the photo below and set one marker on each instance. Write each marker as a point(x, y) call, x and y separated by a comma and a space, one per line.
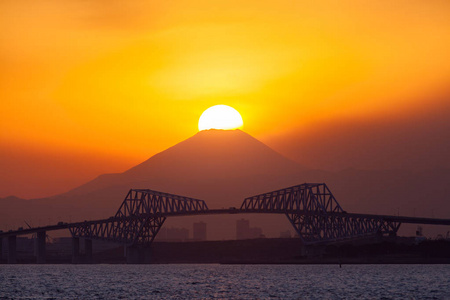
point(209, 158)
point(223, 167)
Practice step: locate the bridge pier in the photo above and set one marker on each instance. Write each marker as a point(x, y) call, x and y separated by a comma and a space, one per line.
point(40, 247)
point(1, 249)
point(75, 250)
point(78, 258)
point(12, 247)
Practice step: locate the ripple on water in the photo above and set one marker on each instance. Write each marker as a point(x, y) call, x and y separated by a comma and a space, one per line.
point(224, 282)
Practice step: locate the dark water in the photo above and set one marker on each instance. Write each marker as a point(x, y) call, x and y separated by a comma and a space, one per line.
point(224, 282)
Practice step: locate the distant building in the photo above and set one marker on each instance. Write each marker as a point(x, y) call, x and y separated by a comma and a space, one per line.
point(199, 231)
point(172, 234)
point(244, 231)
point(285, 234)
point(255, 233)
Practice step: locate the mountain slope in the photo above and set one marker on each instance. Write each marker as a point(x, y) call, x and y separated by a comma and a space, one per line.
point(208, 155)
point(220, 153)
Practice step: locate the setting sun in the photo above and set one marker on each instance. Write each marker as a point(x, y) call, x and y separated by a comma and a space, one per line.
point(220, 117)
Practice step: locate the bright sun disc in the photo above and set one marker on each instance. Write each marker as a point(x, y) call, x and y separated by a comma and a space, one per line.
point(220, 117)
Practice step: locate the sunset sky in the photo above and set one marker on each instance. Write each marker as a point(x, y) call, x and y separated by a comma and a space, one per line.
point(92, 87)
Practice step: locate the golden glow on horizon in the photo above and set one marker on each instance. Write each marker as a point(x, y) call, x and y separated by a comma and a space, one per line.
point(83, 77)
point(220, 117)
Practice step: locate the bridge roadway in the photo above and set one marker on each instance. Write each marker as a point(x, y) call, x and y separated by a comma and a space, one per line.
point(311, 209)
point(232, 210)
point(41, 231)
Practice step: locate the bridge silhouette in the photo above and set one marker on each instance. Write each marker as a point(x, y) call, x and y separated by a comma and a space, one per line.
point(311, 208)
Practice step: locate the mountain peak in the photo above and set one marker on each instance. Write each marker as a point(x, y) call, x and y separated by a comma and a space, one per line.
point(221, 153)
point(209, 158)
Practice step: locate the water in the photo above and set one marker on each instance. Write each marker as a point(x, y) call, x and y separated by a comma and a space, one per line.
point(224, 282)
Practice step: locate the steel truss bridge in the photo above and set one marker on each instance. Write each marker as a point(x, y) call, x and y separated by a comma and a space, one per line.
point(311, 208)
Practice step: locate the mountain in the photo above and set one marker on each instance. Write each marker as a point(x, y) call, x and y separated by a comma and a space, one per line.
point(223, 167)
point(212, 156)
point(219, 166)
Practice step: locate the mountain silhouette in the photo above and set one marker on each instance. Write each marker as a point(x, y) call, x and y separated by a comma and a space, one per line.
point(211, 156)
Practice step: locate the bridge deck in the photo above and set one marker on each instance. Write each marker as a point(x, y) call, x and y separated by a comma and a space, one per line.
point(400, 219)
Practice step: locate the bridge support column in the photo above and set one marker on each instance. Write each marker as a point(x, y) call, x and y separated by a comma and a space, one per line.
point(40, 253)
point(12, 245)
point(75, 250)
point(88, 251)
point(1, 249)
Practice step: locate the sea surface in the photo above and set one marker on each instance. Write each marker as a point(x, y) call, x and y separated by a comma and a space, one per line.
point(211, 281)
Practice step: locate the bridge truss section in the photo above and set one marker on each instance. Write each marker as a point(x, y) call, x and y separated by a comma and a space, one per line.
point(139, 218)
point(312, 197)
point(326, 228)
point(316, 215)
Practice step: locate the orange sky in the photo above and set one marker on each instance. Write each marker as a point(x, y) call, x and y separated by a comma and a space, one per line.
point(88, 87)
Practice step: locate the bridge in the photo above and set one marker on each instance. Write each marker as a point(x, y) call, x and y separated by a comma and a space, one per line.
point(311, 208)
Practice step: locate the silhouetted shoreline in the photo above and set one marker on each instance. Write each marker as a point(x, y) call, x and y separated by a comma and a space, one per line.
point(274, 251)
